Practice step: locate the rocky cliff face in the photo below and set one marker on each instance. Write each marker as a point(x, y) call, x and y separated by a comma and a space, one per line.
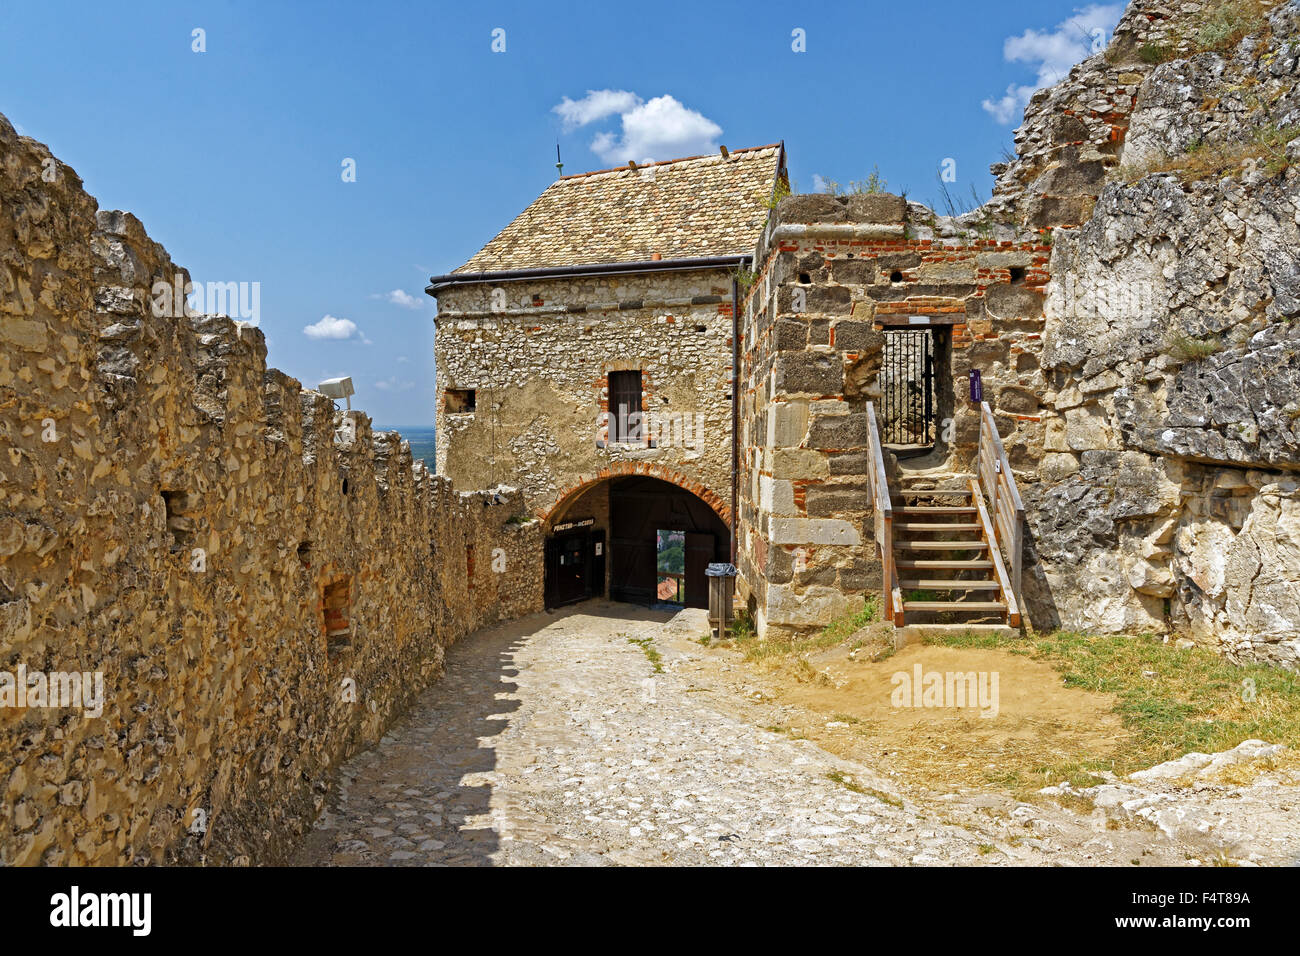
point(1169, 492)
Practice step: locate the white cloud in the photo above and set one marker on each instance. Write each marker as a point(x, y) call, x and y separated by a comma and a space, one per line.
point(1011, 107)
point(661, 128)
point(393, 384)
point(399, 297)
point(819, 184)
point(1053, 54)
point(596, 105)
point(330, 327)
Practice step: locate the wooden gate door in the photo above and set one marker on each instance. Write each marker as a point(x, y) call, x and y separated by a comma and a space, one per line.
point(699, 554)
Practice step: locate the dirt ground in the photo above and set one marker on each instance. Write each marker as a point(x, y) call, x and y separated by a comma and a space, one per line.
point(848, 709)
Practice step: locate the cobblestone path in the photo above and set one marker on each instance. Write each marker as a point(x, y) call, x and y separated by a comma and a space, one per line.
point(554, 740)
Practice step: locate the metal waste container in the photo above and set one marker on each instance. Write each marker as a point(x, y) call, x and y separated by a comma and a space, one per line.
point(722, 590)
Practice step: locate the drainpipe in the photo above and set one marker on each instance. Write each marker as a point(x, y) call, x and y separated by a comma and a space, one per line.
point(735, 411)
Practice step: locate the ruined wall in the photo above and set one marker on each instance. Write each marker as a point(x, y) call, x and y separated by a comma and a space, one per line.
point(263, 583)
point(834, 273)
point(538, 353)
point(1168, 494)
point(1148, 403)
point(1074, 132)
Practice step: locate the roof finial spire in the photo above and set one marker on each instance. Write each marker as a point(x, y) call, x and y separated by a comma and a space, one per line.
point(559, 165)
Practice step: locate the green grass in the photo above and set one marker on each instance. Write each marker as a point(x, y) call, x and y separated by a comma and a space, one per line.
point(848, 783)
point(781, 190)
point(652, 655)
point(1155, 53)
point(1195, 701)
point(1222, 26)
point(744, 637)
point(1185, 348)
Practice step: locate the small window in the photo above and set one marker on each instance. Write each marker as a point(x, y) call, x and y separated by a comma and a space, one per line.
point(336, 602)
point(460, 401)
point(625, 406)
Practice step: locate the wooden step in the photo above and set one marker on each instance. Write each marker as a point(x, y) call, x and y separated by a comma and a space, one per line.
point(936, 492)
point(923, 564)
point(942, 545)
point(954, 606)
point(949, 584)
point(913, 526)
point(933, 510)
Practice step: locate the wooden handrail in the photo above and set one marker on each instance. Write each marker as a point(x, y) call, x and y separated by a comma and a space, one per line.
point(997, 483)
point(883, 520)
point(995, 555)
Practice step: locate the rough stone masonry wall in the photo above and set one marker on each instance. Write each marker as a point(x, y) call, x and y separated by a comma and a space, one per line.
point(835, 273)
point(1075, 132)
point(538, 353)
point(192, 524)
point(1157, 446)
point(1169, 496)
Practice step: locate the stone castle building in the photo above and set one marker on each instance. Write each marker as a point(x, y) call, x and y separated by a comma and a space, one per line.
point(585, 355)
point(1040, 411)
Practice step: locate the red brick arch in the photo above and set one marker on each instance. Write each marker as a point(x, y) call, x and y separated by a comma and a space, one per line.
point(643, 469)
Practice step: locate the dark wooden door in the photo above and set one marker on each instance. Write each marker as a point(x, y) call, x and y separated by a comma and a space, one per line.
point(634, 572)
point(567, 569)
point(699, 553)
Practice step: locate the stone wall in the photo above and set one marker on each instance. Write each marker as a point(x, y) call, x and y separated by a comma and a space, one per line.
point(263, 583)
point(537, 354)
point(1169, 491)
point(834, 273)
point(1147, 401)
point(1167, 497)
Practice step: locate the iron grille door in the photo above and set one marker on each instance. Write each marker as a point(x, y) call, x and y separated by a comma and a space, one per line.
point(907, 388)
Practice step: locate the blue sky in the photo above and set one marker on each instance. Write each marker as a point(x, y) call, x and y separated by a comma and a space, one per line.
point(234, 157)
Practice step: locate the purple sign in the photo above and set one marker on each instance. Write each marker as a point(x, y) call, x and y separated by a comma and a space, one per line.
point(976, 386)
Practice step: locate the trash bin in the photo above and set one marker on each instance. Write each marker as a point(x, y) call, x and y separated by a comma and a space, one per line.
point(722, 590)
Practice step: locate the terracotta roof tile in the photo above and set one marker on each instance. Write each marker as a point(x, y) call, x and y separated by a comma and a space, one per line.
point(680, 209)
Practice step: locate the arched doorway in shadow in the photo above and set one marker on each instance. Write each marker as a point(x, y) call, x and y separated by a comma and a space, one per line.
point(609, 536)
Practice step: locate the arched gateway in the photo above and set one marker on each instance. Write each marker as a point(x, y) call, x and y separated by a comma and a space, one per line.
point(635, 537)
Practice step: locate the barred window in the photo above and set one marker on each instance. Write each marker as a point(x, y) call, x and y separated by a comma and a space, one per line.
point(625, 406)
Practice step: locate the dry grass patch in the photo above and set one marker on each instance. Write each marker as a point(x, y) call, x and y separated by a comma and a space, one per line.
point(1171, 701)
point(1207, 162)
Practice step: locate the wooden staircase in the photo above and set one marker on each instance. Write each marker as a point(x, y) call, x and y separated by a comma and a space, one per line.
point(945, 551)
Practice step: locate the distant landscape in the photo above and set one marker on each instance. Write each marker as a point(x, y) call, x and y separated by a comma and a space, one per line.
point(421, 438)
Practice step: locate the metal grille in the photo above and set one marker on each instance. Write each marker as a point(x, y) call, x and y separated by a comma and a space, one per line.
point(907, 388)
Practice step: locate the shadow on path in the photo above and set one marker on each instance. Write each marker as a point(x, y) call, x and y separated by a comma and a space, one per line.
point(423, 794)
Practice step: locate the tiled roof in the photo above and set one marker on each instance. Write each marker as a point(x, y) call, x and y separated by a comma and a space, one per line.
point(679, 209)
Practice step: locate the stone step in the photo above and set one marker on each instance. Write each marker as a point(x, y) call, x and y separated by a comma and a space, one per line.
point(948, 584)
point(934, 564)
point(954, 606)
point(915, 633)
